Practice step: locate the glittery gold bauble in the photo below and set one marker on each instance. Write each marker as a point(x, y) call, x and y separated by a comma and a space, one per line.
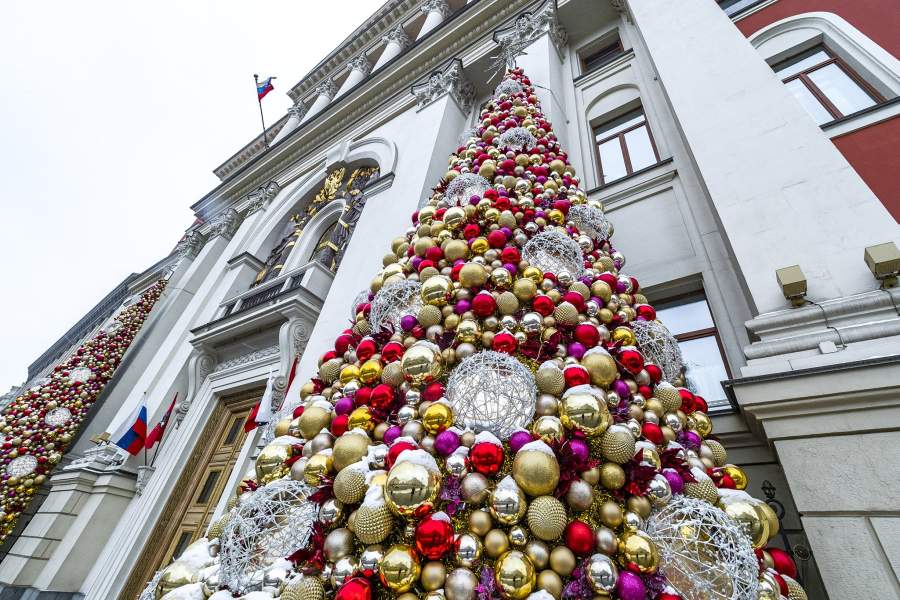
point(637, 550)
point(392, 374)
point(585, 412)
point(754, 523)
point(612, 476)
point(472, 275)
point(174, 576)
point(370, 371)
point(768, 513)
point(795, 590)
point(306, 588)
point(495, 543)
point(601, 367)
point(514, 575)
point(562, 561)
point(507, 303)
point(422, 363)
point(216, 529)
point(550, 380)
point(549, 429)
point(436, 290)
point(318, 468)
point(700, 423)
point(430, 315)
point(437, 417)
point(313, 420)
point(433, 575)
point(350, 485)
point(524, 289)
point(373, 523)
point(330, 370)
point(668, 395)
point(361, 418)
point(348, 449)
point(410, 486)
point(362, 328)
point(456, 250)
point(399, 568)
point(536, 472)
point(565, 314)
point(703, 489)
point(624, 336)
point(720, 456)
point(468, 331)
point(546, 518)
point(270, 462)
point(617, 445)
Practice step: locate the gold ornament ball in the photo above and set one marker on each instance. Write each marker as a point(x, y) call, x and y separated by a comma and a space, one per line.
point(624, 336)
point(795, 590)
point(508, 504)
point(313, 420)
point(612, 476)
point(348, 449)
point(546, 518)
point(318, 468)
point(399, 569)
point(640, 505)
point(601, 367)
point(456, 250)
point(637, 550)
point(756, 526)
point(480, 522)
point(350, 485)
point(283, 427)
point(370, 371)
point(174, 576)
point(436, 290)
point(536, 472)
point(361, 418)
point(433, 575)
point(437, 417)
point(454, 217)
point(701, 423)
point(562, 561)
point(430, 315)
point(534, 274)
point(514, 575)
point(524, 289)
point(550, 429)
point(422, 363)
point(472, 275)
point(307, 588)
point(585, 412)
point(611, 514)
point(270, 462)
point(468, 331)
point(550, 380)
point(550, 582)
point(617, 445)
point(410, 486)
point(349, 373)
point(771, 518)
point(373, 523)
point(737, 475)
point(495, 543)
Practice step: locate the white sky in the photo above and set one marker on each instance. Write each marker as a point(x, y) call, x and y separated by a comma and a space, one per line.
point(112, 116)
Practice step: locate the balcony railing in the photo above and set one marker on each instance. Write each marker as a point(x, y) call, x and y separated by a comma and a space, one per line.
point(314, 276)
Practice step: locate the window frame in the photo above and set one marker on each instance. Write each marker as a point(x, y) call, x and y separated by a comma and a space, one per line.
point(629, 170)
point(814, 89)
point(740, 11)
point(585, 56)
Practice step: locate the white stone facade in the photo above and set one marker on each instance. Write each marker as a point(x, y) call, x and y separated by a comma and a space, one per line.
point(746, 183)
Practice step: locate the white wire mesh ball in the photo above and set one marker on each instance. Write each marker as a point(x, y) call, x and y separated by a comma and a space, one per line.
point(464, 186)
point(393, 302)
point(591, 221)
point(492, 391)
point(516, 139)
point(509, 87)
point(466, 136)
point(361, 297)
point(660, 347)
point(556, 252)
point(273, 524)
point(704, 553)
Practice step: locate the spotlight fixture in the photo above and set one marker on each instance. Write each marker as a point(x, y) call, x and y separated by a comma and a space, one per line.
point(884, 262)
point(793, 284)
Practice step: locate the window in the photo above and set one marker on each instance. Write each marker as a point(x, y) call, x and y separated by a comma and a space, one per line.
point(688, 318)
point(624, 146)
point(603, 56)
point(208, 486)
point(733, 7)
point(826, 87)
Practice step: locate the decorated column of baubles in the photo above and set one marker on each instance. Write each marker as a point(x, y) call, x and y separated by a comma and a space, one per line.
point(487, 428)
point(37, 427)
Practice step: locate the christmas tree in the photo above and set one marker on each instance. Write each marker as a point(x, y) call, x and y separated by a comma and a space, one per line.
point(504, 419)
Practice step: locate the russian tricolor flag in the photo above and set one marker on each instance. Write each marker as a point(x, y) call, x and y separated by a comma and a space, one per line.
point(132, 432)
point(263, 87)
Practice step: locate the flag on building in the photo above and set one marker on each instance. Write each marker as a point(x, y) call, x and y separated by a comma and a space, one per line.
point(157, 432)
point(263, 87)
point(132, 432)
point(293, 387)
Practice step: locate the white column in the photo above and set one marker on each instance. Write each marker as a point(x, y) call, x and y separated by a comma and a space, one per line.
point(394, 43)
point(295, 117)
point(437, 11)
point(359, 67)
point(325, 92)
point(781, 190)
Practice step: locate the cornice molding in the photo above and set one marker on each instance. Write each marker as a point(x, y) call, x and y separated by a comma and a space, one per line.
point(449, 79)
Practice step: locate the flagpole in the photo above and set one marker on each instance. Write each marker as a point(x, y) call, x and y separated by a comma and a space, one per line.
point(261, 117)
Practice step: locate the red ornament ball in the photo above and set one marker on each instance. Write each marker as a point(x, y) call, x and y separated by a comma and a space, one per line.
point(434, 538)
point(486, 458)
point(631, 360)
point(366, 349)
point(576, 375)
point(653, 433)
point(543, 305)
point(395, 450)
point(392, 351)
point(483, 304)
point(784, 564)
point(579, 538)
point(357, 588)
point(587, 334)
point(504, 342)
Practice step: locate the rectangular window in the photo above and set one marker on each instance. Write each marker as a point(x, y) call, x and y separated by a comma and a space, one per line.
point(733, 7)
point(826, 86)
point(233, 431)
point(624, 146)
point(183, 541)
point(603, 56)
point(690, 321)
point(208, 486)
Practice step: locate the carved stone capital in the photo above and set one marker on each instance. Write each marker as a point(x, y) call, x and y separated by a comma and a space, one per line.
point(260, 199)
point(449, 79)
point(398, 36)
point(190, 245)
point(225, 224)
point(327, 88)
point(439, 6)
point(360, 63)
point(528, 27)
point(298, 110)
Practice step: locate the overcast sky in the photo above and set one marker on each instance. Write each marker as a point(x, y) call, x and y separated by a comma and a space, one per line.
point(112, 116)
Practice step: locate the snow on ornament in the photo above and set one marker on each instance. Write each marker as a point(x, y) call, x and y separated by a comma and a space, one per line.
point(704, 554)
point(591, 221)
point(554, 252)
point(393, 302)
point(22, 466)
point(509, 87)
point(276, 521)
point(464, 186)
point(81, 374)
point(659, 347)
point(58, 417)
point(492, 391)
point(516, 139)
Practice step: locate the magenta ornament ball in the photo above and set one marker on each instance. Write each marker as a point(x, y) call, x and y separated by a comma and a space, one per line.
point(630, 587)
